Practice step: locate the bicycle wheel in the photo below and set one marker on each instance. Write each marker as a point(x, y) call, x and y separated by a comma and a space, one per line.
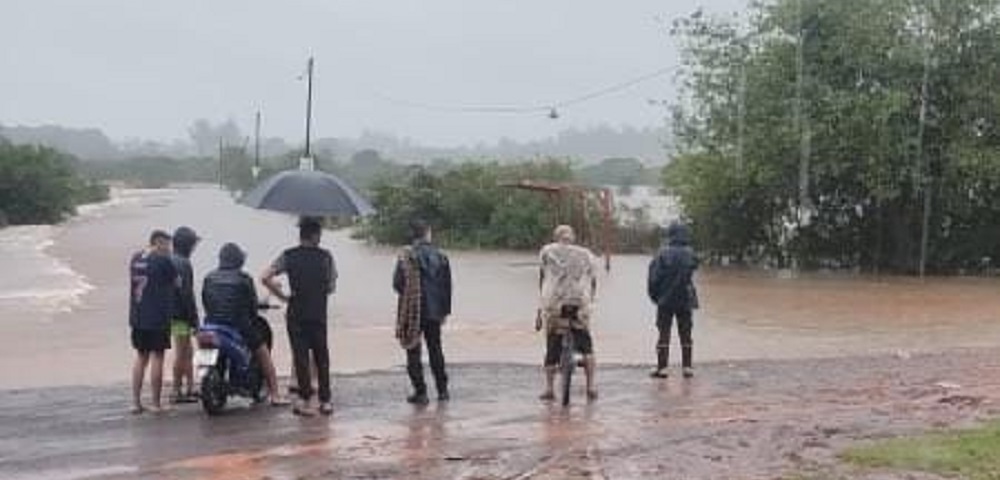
point(567, 365)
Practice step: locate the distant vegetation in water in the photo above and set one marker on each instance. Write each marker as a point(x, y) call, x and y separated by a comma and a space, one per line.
point(467, 205)
point(461, 195)
point(40, 185)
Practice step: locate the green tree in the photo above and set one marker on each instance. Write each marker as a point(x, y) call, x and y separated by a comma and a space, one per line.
point(40, 185)
point(824, 130)
point(470, 205)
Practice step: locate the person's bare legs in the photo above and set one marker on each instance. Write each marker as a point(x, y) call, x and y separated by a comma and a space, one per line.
point(156, 379)
point(189, 365)
point(138, 376)
point(550, 381)
point(590, 369)
point(270, 375)
point(183, 366)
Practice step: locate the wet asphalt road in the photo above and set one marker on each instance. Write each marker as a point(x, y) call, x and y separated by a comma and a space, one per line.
point(747, 420)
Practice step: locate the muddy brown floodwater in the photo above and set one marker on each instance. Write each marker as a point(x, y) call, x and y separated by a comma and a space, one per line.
point(791, 370)
point(745, 315)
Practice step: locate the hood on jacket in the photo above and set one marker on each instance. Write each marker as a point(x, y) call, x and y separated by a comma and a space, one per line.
point(185, 239)
point(231, 257)
point(678, 235)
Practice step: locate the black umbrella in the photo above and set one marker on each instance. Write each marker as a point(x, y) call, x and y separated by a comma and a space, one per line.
point(308, 193)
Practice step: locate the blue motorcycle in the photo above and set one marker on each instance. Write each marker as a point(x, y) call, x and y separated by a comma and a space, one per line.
point(226, 366)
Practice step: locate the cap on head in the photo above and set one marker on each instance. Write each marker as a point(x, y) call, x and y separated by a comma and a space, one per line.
point(158, 236)
point(564, 234)
point(231, 257)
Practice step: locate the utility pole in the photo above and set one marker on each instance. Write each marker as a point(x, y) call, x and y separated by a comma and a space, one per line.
point(256, 147)
point(220, 163)
point(741, 120)
point(309, 95)
point(805, 147)
point(923, 167)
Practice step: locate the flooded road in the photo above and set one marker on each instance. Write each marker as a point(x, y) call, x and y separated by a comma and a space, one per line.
point(84, 340)
point(747, 420)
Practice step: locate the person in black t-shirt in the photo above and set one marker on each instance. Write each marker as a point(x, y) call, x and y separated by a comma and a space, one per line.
point(312, 278)
point(154, 280)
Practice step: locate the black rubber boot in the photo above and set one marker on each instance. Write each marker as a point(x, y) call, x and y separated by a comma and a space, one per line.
point(418, 398)
point(687, 360)
point(662, 360)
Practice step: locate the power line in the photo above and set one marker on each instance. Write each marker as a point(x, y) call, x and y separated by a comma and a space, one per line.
point(465, 108)
point(524, 109)
point(615, 88)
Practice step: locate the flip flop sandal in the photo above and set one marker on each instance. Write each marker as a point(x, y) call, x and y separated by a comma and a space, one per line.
point(187, 398)
point(303, 412)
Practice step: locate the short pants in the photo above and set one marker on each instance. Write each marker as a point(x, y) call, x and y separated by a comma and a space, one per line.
point(150, 341)
point(252, 338)
point(180, 328)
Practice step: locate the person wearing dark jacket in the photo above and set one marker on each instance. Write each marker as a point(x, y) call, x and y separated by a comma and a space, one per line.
point(153, 283)
point(230, 298)
point(422, 279)
point(312, 278)
point(185, 318)
point(671, 287)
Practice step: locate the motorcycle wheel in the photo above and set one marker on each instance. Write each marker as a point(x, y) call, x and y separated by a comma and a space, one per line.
point(213, 392)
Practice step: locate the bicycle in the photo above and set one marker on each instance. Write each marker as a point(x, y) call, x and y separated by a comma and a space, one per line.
point(568, 360)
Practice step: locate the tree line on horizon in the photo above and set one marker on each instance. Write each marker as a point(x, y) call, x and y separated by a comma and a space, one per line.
point(204, 138)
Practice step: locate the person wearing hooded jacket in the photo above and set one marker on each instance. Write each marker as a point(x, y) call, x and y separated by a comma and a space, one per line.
point(671, 288)
point(185, 318)
point(230, 298)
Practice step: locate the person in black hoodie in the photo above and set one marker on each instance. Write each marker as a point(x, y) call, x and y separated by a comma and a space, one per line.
point(230, 298)
point(422, 279)
point(671, 288)
point(185, 318)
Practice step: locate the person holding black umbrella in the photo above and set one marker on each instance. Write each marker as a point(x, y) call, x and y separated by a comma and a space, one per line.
point(312, 277)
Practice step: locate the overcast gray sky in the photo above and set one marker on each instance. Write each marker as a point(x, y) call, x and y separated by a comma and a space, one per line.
point(147, 68)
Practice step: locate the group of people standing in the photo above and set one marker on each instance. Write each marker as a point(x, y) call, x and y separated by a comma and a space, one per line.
point(163, 309)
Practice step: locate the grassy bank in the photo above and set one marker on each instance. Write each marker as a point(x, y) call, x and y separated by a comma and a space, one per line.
point(970, 454)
